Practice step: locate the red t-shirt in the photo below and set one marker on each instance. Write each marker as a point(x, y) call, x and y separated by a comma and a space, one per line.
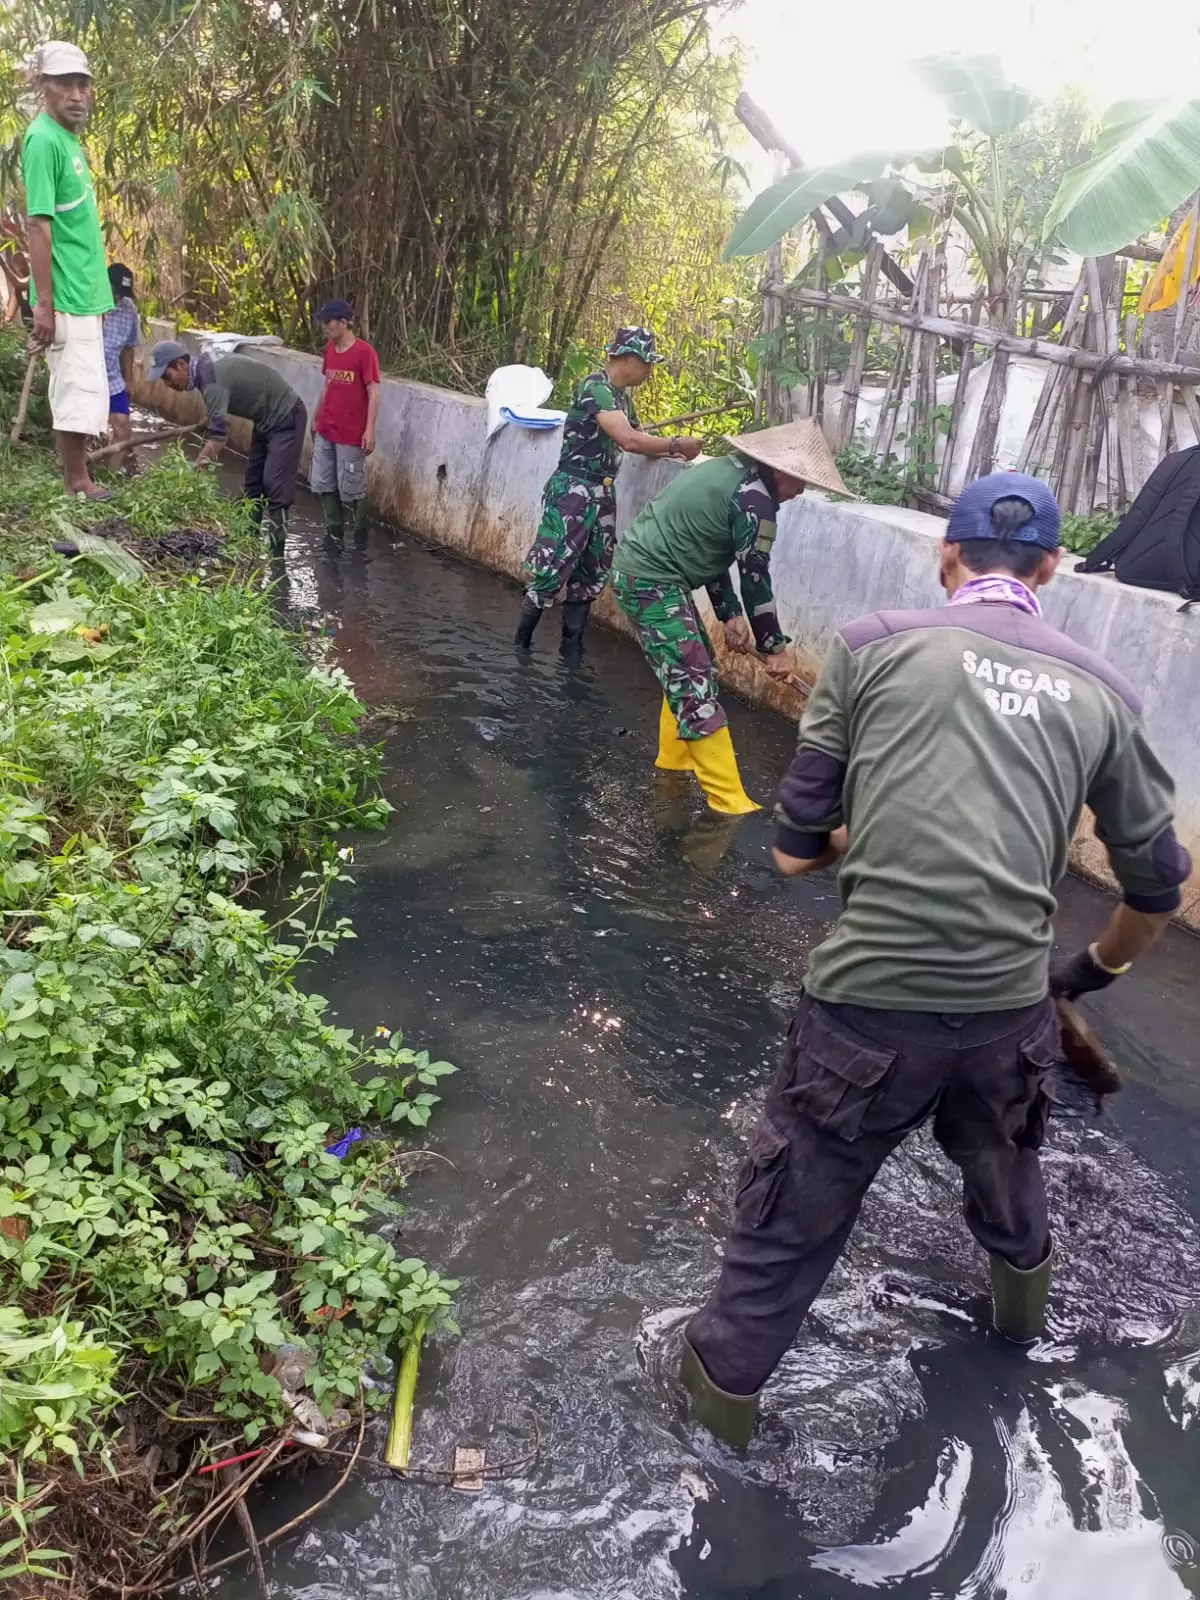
point(342, 414)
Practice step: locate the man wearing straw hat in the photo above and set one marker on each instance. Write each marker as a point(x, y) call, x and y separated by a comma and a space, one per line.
point(948, 754)
point(574, 545)
point(717, 513)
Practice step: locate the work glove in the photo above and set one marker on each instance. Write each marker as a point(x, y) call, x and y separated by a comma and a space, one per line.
point(1082, 974)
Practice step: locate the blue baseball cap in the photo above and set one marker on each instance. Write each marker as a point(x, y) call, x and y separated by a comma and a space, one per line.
point(336, 311)
point(971, 517)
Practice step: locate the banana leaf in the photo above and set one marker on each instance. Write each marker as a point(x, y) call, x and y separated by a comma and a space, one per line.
point(120, 564)
point(1146, 162)
point(778, 209)
point(977, 91)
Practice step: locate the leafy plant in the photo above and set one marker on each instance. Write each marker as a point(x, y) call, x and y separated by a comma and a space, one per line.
point(170, 1212)
point(1146, 162)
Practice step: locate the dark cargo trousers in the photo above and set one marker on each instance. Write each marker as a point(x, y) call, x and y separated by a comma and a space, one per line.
point(854, 1082)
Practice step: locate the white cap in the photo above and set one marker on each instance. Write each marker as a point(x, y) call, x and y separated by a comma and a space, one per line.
point(59, 60)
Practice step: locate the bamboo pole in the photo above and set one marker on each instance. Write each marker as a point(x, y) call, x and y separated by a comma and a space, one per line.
point(889, 411)
point(818, 359)
point(1167, 392)
point(17, 428)
point(1103, 396)
point(923, 405)
point(960, 397)
point(858, 352)
point(1037, 349)
point(1190, 405)
point(689, 416)
point(135, 439)
point(1042, 422)
point(1131, 435)
point(1185, 289)
point(983, 447)
point(1111, 386)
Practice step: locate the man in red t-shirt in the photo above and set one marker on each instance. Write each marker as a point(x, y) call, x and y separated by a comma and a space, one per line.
point(344, 426)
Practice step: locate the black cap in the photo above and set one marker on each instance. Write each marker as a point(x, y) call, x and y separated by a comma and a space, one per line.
point(336, 311)
point(121, 279)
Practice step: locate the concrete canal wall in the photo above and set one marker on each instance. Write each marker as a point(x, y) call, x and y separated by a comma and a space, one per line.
point(436, 473)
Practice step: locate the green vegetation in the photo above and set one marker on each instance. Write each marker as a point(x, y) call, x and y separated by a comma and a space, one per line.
point(169, 1216)
point(535, 170)
point(1081, 534)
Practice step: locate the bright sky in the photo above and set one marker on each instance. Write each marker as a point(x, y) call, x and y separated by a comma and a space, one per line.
point(833, 78)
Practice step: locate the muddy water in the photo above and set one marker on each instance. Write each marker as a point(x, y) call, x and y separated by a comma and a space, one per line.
point(613, 974)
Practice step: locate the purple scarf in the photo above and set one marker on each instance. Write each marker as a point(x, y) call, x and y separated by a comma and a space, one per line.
point(997, 589)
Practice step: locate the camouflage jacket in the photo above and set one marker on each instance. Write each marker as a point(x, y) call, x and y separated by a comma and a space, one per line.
point(587, 451)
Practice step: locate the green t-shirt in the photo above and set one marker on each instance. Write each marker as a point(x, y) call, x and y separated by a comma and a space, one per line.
point(58, 185)
point(699, 525)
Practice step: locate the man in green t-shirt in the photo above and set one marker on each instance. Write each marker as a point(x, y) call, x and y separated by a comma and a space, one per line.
point(947, 756)
point(70, 291)
point(574, 545)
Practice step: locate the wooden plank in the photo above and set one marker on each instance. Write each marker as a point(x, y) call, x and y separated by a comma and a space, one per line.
point(858, 353)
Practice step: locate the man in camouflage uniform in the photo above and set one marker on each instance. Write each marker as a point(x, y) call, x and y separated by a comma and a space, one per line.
point(688, 537)
point(574, 545)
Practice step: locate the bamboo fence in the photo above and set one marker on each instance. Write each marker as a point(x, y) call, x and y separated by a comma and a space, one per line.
point(1085, 421)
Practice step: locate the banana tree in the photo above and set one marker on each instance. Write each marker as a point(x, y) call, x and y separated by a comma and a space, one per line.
point(986, 109)
point(1145, 163)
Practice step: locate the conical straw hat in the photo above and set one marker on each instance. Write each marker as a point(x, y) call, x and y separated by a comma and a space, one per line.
point(797, 448)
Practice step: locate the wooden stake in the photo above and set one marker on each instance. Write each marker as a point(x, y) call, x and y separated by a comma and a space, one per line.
point(1167, 393)
point(15, 431)
point(1105, 394)
point(1129, 425)
point(1190, 405)
point(1042, 421)
point(852, 387)
point(889, 412)
point(983, 447)
point(960, 398)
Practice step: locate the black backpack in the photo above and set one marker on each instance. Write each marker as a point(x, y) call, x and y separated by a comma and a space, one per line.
point(1156, 544)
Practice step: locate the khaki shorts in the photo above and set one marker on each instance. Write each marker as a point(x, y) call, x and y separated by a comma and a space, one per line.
point(78, 375)
point(339, 469)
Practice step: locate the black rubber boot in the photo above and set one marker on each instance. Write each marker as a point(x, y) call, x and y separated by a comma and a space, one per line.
point(574, 621)
point(1019, 1299)
point(531, 615)
point(358, 512)
point(275, 522)
point(728, 1417)
point(335, 526)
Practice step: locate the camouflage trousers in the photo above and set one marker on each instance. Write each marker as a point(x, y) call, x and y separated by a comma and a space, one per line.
point(672, 635)
point(575, 540)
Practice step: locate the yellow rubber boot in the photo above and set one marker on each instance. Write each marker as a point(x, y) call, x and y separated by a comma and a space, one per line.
point(674, 753)
point(716, 767)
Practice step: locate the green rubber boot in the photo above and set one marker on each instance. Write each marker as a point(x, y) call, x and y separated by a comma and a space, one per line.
point(728, 1417)
point(358, 512)
point(1019, 1299)
point(335, 527)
